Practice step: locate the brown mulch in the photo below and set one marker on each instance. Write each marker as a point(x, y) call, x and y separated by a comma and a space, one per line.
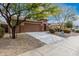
point(23, 43)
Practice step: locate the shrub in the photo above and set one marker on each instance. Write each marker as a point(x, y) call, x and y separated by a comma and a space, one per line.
point(69, 24)
point(54, 28)
point(51, 31)
point(66, 30)
point(1, 32)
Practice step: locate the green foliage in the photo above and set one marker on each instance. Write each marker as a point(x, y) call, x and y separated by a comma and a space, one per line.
point(34, 11)
point(69, 24)
point(1, 32)
point(39, 11)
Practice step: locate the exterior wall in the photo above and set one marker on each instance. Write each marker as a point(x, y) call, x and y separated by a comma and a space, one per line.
point(31, 27)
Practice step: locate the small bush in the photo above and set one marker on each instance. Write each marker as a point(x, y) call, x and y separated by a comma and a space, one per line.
point(1, 32)
point(67, 30)
point(51, 31)
point(54, 28)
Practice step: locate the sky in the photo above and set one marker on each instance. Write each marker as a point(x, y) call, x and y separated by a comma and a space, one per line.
point(74, 5)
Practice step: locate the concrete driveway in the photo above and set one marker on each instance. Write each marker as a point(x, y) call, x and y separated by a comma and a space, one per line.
point(45, 37)
point(56, 46)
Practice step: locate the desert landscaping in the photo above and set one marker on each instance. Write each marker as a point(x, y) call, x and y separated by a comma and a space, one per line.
point(21, 44)
point(38, 29)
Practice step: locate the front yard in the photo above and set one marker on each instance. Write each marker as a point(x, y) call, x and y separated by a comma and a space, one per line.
point(21, 44)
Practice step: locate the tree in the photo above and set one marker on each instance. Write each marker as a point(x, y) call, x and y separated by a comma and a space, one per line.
point(69, 14)
point(66, 14)
point(10, 11)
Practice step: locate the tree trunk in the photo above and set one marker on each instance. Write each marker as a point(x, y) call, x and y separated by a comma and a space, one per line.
point(13, 33)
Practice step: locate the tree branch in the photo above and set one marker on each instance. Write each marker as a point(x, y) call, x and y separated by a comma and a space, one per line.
point(2, 14)
point(7, 5)
point(21, 21)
